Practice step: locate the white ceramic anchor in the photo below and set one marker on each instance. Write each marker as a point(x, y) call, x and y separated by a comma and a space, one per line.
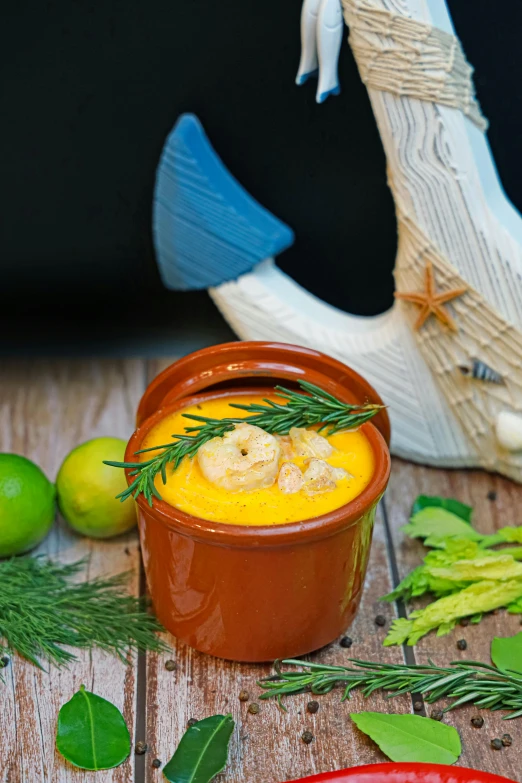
point(321, 38)
point(453, 193)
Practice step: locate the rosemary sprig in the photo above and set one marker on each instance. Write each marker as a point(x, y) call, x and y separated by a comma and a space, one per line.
point(313, 407)
point(184, 446)
point(306, 410)
point(463, 681)
point(42, 610)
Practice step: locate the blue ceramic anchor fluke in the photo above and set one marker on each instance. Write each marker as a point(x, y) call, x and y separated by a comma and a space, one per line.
point(207, 229)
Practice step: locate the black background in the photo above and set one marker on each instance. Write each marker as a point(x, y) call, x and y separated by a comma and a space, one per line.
point(90, 90)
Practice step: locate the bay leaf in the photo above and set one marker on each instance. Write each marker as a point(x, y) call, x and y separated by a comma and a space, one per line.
point(202, 752)
point(450, 504)
point(92, 733)
point(506, 652)
point(411, 737)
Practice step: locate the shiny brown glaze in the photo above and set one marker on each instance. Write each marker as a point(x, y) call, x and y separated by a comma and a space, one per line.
point(256, 593)
point(246, 363)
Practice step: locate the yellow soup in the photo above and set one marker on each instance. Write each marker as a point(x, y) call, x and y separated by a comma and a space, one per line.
point(189, 490)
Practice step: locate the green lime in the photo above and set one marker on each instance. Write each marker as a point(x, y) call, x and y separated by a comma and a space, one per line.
point(87, 489)
point(27, 504)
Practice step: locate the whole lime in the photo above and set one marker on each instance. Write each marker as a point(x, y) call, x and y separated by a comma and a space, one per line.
point(27, 504)
point(87, 490)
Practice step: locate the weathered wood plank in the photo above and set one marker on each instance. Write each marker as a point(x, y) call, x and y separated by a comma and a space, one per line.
point(471, 487)
point(47, 408)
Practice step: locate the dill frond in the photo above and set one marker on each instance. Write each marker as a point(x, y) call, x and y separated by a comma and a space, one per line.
point(43, 612)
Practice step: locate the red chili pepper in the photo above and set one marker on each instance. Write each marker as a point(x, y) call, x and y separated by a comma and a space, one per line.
point(404, 773)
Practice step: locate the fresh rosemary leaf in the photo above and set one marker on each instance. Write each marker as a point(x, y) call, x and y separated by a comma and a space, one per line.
point(411, 737)
point(202, 752)
point(506, 653)
point(313, 407)
point(43, 612)
point(460, 682)
point(92, 733)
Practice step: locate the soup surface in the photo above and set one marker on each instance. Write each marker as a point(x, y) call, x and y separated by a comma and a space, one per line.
point(189, 490)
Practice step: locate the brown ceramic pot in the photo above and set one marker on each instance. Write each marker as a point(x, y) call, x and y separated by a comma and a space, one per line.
point(257, 593)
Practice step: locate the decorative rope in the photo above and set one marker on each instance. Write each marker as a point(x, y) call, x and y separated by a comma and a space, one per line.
point(405, 57)
point(402, 56)
point(482, 334)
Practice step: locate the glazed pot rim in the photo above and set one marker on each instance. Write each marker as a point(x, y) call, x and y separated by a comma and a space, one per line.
point(190, 374)
point(247, 536)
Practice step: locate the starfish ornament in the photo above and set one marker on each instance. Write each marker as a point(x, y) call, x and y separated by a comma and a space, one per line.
point(430, 302)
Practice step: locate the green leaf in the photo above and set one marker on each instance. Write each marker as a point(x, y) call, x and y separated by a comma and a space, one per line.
point(92, 733)
point(412, 585)
point(450, 504)
point(437, 522)
point(410, 737)
point(510, 535)
point(506, 652)
point(515, 607)
point(499, 568)
point(202, 752)
point(476, 599)
point(399, 632)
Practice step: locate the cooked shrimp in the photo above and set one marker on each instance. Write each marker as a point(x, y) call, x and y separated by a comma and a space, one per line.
point(287, 449)
point(290, 479)
point(246, 458)
point(308, 443)
point(322, 477)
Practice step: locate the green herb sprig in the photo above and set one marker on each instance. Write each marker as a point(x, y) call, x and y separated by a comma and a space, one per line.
point(42, 611)
point(313, 407)
point(463, 681)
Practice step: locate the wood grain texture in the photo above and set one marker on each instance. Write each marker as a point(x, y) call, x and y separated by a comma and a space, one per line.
point(471, 487)
point(47, 408)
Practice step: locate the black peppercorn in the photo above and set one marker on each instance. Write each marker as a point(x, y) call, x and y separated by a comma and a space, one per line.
point(464, 622)
point(171, 665)
point(380, 620)
point(492, 495)
point(140, 748)
point(507, 740)
point(244, 695)
point(191, 722)
point(346, 642)
point(462, 644)
point(156, 763)
point(477, 721)
point(496, 744)
point(307, 737)
point(4, 660)
point(312, 707)
point(253, 708)
point(436, 715)
point(418, 706)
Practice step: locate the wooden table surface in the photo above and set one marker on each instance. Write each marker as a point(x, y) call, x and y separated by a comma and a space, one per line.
point(47, 408)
